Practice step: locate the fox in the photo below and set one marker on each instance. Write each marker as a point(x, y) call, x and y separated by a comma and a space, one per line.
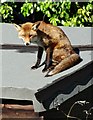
point(60, 54)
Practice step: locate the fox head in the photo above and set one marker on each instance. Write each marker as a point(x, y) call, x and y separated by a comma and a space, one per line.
point(27, 32)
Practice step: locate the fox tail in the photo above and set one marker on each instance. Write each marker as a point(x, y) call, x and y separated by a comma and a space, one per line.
point(65, 64)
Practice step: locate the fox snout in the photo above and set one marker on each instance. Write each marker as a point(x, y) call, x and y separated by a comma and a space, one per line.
point(27, 43)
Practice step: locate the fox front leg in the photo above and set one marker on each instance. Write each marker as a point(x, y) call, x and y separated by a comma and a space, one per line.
point(48, 61)
point(39, 56)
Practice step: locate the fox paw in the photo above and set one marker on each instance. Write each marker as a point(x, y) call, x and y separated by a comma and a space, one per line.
point(50, 68)
point(44, 70)
point(34, 67)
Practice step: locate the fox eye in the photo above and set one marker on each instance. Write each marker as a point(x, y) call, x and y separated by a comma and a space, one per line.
point(30, 35)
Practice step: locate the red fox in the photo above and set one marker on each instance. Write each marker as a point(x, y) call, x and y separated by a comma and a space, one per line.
point(59, 51)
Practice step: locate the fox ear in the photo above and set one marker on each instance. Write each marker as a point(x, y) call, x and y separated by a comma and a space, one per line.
point(18, 27)
point(35, 26)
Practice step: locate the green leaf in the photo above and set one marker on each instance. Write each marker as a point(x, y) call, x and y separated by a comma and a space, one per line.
point(3, 11)
point(32, 11)
point(38, 9)
point(48, 13)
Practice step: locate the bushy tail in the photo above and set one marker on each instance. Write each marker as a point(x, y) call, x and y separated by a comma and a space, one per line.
point(64, 64)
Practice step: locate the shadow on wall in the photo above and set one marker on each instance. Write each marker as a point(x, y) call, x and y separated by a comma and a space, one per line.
point(20, 48)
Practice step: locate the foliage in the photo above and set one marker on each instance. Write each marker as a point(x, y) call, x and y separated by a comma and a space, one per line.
point(27, 9)
point(6, 12)
point(83, 16)
point(55, 11)
point(64, 13)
